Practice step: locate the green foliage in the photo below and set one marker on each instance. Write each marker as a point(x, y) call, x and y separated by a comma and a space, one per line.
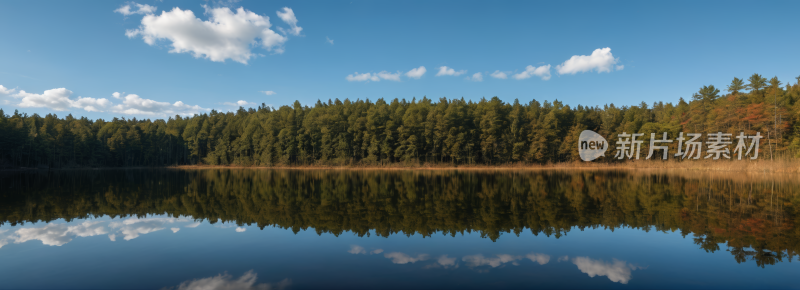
point(736, 85)
point(453, 131)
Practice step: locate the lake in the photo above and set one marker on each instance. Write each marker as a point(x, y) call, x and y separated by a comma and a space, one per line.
point(397, 229)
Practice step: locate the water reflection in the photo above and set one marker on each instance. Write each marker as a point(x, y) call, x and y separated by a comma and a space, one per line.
point(402, 258)
point(59, 234)
point(445, 262)
point(616, 271)
point(227, 282)
point(479, 260)
point(538, 258)
point(131, 228)
point(751, 218)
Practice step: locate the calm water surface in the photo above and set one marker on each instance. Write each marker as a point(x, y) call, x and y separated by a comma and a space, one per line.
point(292, 229)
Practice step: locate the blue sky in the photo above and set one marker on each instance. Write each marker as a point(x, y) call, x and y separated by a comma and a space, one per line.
point(643, 51)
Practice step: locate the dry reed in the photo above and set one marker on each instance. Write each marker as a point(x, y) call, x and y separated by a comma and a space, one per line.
point(722, 166)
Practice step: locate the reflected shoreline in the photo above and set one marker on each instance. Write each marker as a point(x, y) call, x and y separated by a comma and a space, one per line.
point(781, 169)
point(755, 217)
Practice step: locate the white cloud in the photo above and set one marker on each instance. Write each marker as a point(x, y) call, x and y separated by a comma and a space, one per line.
point(288, 16)
point(376, 251)
point(600, 60)
point(542, 71)
point(389, 76)
point(6, 91)
point(356, 77)
point(221, 3)
point(416, 73)
point(135, 105)
point(225, 281)
point(563, 258)
point(329, 40)
point(356, 249)
point(446, 71)
point(375, 77)
point(139, 9)
point(92, 104)
point(59, 100)
point(269, 93)
point(240, 230)
point(193, 225)
point(56, 99)
point(112, 237)
point(499, 75)
point(620, 67)
point(175, 230)
point(494, 262)
point(225, 35)
point(618, 271)
point(477, 77)
point(401, 258)
point(238, 103)
point(538, 258)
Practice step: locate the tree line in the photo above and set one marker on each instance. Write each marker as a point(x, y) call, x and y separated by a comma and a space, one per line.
point(754, 219)
point(452, 131)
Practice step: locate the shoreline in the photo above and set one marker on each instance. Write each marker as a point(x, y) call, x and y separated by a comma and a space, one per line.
point(758, 166)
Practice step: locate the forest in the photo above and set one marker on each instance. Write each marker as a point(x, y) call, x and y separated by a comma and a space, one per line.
point(420, 131)
point(754, 218)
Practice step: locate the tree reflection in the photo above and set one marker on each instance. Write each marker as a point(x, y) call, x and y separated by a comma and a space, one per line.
point(755, 218)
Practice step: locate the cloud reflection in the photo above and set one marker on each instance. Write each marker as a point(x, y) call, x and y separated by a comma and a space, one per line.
point(538, 258)
point(479, 260)
point(446, 262)
point(58, 234)
point(616, 271)
point(443, 262)
point(356, 250)
point(133, 227)
point(54, 234)
point(401, 258)
point(226, 282)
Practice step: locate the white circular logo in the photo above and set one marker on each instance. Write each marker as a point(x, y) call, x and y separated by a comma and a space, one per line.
point(591, 145)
